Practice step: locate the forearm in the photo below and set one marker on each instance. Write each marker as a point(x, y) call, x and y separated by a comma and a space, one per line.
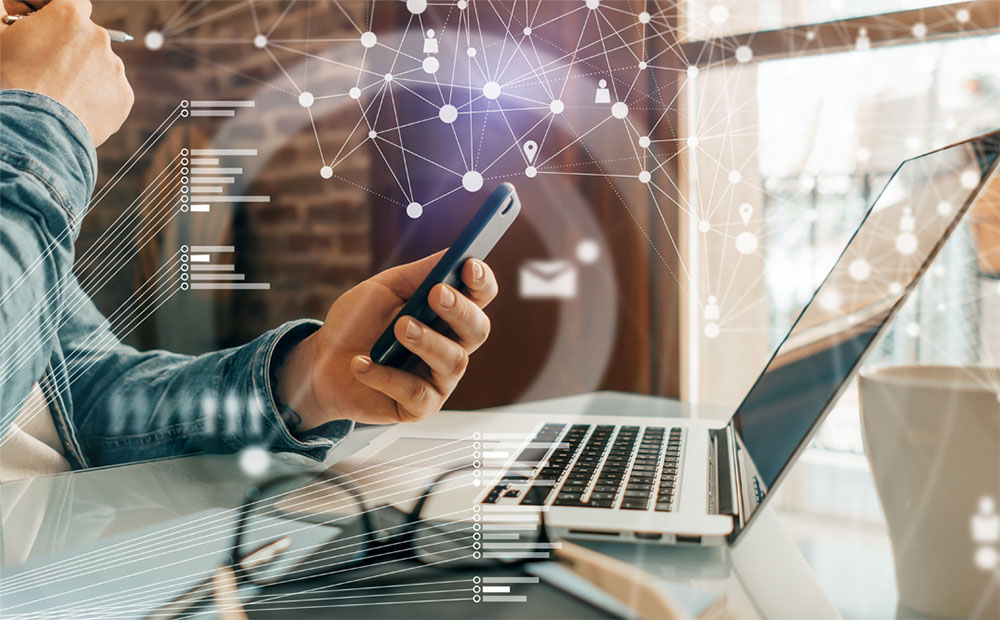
point(131, 405)
point(47, 170)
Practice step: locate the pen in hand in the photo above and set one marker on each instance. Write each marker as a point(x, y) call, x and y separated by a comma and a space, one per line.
point(117, 36)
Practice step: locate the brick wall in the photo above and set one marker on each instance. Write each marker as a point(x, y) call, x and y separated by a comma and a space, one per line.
point(312, 242)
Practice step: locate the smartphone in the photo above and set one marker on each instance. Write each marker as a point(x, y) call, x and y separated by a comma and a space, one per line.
point(480, 235)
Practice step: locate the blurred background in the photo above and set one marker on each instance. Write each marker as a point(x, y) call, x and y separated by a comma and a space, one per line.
point(664, 248)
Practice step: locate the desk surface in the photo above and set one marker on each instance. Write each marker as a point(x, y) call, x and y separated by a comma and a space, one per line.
point(89, 540)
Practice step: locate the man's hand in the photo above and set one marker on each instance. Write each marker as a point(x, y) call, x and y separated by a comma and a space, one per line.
point(57, 51)
point(329, 375)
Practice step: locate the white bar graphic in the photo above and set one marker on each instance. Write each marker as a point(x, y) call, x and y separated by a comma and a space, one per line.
point(213, 112)
point(216, 170)
point(213, 267)
point(222, 104)
point(198, 189)
point(218, 276)
point(260, 286)
point(495, 455)
point(207, 180)
point(213, 248)
point(217, 152)
point(201, 208)
point(241, 199)
point(496, 589)
point(505, 599)
point(204, 162)
point(542, 555)
point(510, 579)
point(501, 436)
point(199, 258)
point(509, 545)
point(506, 527)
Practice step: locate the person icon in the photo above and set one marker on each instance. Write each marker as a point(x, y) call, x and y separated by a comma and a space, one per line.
point(986, 522)
point(430, 43)
point(603, 94)
point(712, 309)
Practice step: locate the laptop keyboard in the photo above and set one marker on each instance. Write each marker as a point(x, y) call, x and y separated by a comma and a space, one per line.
point(596, 466)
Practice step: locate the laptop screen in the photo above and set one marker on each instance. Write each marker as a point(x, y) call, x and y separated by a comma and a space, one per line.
point(902, 231)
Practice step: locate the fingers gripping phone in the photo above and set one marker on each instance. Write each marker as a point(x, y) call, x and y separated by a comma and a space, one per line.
point(480, 235)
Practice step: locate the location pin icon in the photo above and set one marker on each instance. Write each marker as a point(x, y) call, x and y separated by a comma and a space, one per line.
point(530, 149)
point(746, 212)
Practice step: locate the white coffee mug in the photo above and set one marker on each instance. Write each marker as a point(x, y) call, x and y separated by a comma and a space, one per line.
point(932, 435)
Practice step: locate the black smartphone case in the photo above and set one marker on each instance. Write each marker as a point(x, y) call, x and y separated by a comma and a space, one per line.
point(478, 238)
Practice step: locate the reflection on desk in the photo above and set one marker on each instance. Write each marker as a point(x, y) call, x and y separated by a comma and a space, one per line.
point(125, 540)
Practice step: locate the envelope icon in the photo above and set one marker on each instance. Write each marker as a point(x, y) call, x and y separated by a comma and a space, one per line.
point(548, 279)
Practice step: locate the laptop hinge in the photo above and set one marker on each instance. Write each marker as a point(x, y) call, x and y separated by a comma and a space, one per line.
point(725, 490)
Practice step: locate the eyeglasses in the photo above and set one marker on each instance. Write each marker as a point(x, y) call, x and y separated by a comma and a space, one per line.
point(300, 529)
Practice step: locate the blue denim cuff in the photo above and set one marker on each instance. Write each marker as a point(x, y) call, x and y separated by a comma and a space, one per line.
point(43, 138)
point(318, 442)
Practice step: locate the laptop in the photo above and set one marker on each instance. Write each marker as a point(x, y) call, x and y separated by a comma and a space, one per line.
point(702, 482)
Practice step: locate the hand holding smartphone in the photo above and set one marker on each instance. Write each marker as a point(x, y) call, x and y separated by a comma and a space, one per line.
point(476, 240)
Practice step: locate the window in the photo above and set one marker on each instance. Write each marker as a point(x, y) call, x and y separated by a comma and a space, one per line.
point(784, 157)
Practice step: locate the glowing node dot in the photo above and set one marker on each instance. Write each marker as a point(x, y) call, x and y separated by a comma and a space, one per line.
point(644, 142)
point(642, 65)
point(306, 99)
point(746, 243)
point(712, 330)
point(355, 93)
point(557, 107)
point(912, 330)
point(744, 53)
point(864, 154)
point(416, 6)
point(719, 14)
point(260, 41)
point(963, 16)
point(372, 134)
point(326, 172)
point(859, 269)
point(810, 35)
point(692, 71)
point(587, 251)
point(387, 77)
point(431, 64)
point(368, 39)
point(619, 110)
point(944, 207)
point(593, 4)
point(527, 31)
point(531, 172)
point(692, 142)
point(919, 30)
point(255, 461)
point(414, 210)
point(735, 176)
point(448, 113)
point(472, 181)
point(476, 483)
point(153, 40)
point(644, 176)
point(704, 226)
point(462, 5)
point(491, 90)
point(895, 288)
point(644, 17)
point(969, 179)
point(906, 243)
point(471, 52)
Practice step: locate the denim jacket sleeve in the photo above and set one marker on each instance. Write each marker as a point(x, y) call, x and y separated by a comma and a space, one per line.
point(47, 170)
point(124, 405)
point(130, 405)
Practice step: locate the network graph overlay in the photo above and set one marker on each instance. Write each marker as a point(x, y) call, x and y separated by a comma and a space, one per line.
point(462, 95)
